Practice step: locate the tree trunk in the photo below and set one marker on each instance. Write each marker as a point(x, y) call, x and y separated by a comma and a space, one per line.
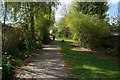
point(32, 26)
point(3, 29)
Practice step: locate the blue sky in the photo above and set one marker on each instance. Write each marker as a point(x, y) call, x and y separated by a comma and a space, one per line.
point(113, 10)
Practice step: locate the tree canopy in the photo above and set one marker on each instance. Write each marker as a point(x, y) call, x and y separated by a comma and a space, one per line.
point(91, 8)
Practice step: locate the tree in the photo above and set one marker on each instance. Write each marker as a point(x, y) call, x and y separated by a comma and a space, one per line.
point(35, 19)
point(87, 29)
point(91, 8)
point(63, 29)
point(28, 12)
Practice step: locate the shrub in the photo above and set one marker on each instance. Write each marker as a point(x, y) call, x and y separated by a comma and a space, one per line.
point(88, 30)
point(16, 53)
point(113, 51)
point(38, 44)
point(12, 59)
point(6, 64)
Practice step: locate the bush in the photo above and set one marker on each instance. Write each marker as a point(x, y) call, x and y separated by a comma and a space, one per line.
point(9, 63)
point(88, 30)
point(38, 44)
point(114, 45)
point(12, 59)
point(113, 51)
point(6, 64)
point(16, 62)
point(17, 53)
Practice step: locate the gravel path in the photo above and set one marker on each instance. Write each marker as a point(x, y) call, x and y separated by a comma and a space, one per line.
point(49, 65)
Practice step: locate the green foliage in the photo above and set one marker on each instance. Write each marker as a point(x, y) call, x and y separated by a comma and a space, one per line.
point(12, 59)
point(114, 52)
point(16, 53)
point(17, 62)
point(38, 44)
point(9, 62)
point(114, 45)
point(6, 64)
point(35, 20)
point(86, 23)
point(63, 29)
point(91, 8)
point(87, 30)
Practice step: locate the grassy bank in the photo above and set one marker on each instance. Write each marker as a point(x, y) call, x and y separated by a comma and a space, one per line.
point(85, 66)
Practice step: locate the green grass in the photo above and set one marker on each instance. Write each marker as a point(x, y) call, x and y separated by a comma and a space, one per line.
point(86, 66)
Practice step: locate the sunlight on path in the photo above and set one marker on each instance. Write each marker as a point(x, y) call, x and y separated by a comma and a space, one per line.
point(48, 65)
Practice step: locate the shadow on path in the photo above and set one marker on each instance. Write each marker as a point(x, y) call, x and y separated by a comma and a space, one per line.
point(48, 65)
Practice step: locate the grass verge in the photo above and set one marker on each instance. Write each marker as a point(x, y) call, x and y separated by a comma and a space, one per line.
point(88, 66)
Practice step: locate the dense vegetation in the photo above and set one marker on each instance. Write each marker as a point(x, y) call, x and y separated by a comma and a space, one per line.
point(35, 20)
point(90, 27)
point(86, 23)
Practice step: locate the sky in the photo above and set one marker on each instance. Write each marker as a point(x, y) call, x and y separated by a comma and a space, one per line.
point(112, 12)
point(65, 4)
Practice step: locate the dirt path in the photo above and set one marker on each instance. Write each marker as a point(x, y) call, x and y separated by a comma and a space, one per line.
point(47, 65)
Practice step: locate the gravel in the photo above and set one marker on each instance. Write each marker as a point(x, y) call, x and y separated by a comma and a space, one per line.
point(49, 65)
